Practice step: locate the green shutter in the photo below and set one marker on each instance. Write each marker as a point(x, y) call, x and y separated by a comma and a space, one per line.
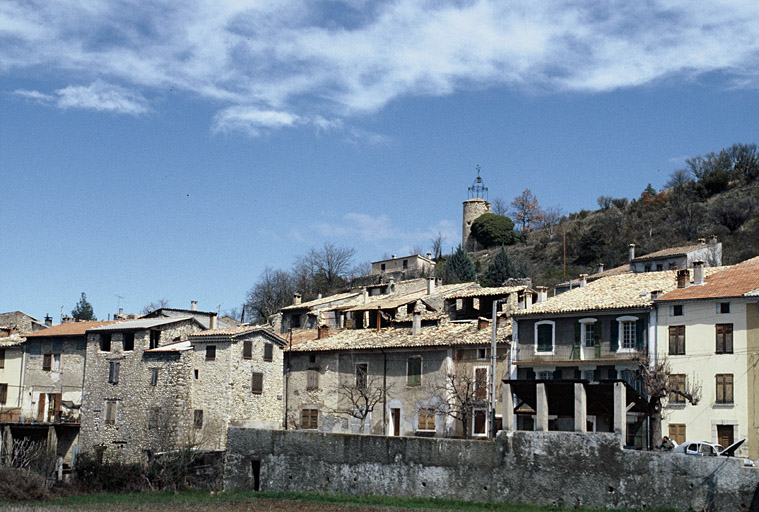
point(578, 342)
point(640, 329)
point(597, 332)
point(614, 345)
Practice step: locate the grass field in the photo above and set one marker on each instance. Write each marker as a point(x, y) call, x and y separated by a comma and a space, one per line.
point(239, 501)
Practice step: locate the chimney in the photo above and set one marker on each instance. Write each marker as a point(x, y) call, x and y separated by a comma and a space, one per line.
point(48, 320)
point(319, 296)
point(713, 239)
point(416, 323)
point(698, 272)
point(322, 331)
point(430, 285)
point(583, 280)
point(121, 311)
point(683, 278)
point(655, 294)
point(482, 323)
point(702, 241)
point(542, 293)
point(438, 281)
point(600, 268)
point(527, 300)
point(392, 256)
point(429, 255)
point(213, 323)
point(296, 299)
point(193, 305)
point(632, 252)
point(364, 295)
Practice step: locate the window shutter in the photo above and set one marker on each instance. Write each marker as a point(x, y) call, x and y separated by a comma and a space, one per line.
point(640, 330)
point(531, 374)
point(614, 344)
point(729, 388)
point(612, 373)
point(597, 332)
point(577, 332)
point(729, 338)
point(578, 341)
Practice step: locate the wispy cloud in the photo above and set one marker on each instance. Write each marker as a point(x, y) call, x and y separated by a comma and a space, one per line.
point(98, 95)
point(304, 62)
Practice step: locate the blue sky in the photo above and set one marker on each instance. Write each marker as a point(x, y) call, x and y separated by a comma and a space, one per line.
point(175, 149)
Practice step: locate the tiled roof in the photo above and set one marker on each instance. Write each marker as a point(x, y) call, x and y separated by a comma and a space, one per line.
point(622, 269)
point(485, 292)
point(233, 332)
point(395, 301)
point(177, 346)
point(736, 281)
point(445, 335)
point(69, 329)
point(622, 291)
point(12, 340)
point(324, 300)
point(671, 251)
point(142, 323)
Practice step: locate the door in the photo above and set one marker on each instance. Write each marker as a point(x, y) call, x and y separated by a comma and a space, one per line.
point(54, 411)
point(396, 416)
point(41, 408)
point(725, 435)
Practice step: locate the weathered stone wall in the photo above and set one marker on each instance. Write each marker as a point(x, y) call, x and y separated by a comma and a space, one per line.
point(473, 208)
point(223, 388)
point(130, 437)
point(21, 321)
point(522, 467)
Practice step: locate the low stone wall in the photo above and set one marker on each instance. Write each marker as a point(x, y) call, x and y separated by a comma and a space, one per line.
point(561, 468)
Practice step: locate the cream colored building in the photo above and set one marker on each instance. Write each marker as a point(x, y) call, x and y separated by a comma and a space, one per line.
point(11, 375)
point(709, 333)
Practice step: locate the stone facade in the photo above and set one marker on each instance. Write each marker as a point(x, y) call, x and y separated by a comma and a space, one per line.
point(21, 322)
point(126, 411)
point(473, 208)
point(542, 468)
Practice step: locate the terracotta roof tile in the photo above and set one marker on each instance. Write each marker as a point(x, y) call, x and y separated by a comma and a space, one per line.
point(485, 292)
point(69, 329)
point(736, 281)
point(671, 251)
point(324, 300)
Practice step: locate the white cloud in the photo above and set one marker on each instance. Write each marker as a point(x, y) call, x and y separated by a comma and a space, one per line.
point(96, 96)
point(319, 63)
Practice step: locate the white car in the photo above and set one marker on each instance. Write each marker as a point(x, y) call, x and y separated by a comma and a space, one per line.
point(706, 449)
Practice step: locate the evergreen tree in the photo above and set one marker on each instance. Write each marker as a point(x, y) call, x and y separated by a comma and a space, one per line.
point(459, 268)
point(499, 270)
point(83, 310)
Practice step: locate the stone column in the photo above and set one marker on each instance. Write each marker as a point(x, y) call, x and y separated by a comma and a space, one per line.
point(620, 411)
point(541, 414)
point(507, 410)
point(581, 408)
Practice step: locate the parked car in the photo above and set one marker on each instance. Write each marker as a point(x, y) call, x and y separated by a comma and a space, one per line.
point(706, 449)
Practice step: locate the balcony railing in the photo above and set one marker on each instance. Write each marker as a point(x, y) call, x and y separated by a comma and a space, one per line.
point(574, 352)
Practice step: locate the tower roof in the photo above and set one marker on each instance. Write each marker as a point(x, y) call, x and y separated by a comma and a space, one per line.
point(478, 190)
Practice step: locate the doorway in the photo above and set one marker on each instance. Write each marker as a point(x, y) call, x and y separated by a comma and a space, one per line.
point(396, 417)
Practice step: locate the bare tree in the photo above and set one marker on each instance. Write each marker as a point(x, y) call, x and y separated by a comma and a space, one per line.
point(550, 219)
point(324, 270)
point(660, 386)
point(437, 245)
point(526, 210)
point(457, 395)
point(156, 304)
point(360, 397)
point(273, 290)
point(500, 206)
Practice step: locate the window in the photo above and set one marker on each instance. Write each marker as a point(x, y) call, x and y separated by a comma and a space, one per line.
point(483, 353)
point(414, 371)
point(405, 264)
point(105, 342)
point(426, 419)
point(659, 267)
point(312, 379)
point(153, 376)
point(128, 341)
point(268, 352)
point(724, 388)
point(210, 352)
point(153, 417)
point(545, 375)
point(247, 349)
point(589, 332)
point(676, 310)
point(56, 362)
point(676, 340)
point(677, 381)
point(110, 412)
point(480, 422)
point(196, 374)
point(197, 418)
point(309, 418)
point(723, 308)
point(257, 383)
point(628, 334)
point(155, 339)
point(677, 432)
point(544, 336)
point(3, 393)
point(47, 362)
point(295, 321)
point(382, 267)
point(589, 375)
point(362, 369)
point(724, 338)
point(2, 358)
point(113, 372)
point(481, 382)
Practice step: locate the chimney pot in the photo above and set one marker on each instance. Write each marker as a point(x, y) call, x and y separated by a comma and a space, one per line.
point(583, 280)
point(600, 267)
point(193, 305)
point(698, 272)
point(702, 241)
point(632, 252)
point(429, 255)
point(319, 296)
point(296, 299)
point(655, 294)
point(213, 323)
point(430, 285)
point(542, 293)
point(713, 239)
point(393, 256)
point(683, 278)
point(48, 320)
point(416, 323)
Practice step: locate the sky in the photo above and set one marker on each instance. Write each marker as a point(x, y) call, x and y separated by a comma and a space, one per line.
point(174, 150)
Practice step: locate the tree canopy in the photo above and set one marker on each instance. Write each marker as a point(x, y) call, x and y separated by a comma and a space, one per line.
point(459, 268)
point(492, 230)
point(499, 270)
point(83, 310)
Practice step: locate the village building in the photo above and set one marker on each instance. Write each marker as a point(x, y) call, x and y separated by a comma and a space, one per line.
point(708, 332)
point(412, 265)
point(11, 374)
point(132, 394)
point(208, 319)
point(601, 330)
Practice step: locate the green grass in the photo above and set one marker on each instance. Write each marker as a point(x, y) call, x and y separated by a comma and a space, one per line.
point(199, 496)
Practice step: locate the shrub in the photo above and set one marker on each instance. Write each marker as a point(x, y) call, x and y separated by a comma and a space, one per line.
point(21, 485)
point(492, 230)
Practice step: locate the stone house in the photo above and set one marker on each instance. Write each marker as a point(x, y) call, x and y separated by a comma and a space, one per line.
point(709, 334)
point(136, 387)
point(237, 381)
point(11, 374)
point(23, 323)
point(412, 265)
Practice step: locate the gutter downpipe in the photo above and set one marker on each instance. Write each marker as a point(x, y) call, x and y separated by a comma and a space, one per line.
point(384, 391)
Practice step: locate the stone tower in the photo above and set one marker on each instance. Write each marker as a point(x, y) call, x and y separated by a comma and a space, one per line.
point(474, 206)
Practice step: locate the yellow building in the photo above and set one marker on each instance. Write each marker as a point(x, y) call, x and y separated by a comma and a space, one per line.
point(11, 375)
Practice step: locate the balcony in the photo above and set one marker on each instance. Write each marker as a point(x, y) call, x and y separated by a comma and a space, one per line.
point(574, 353)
